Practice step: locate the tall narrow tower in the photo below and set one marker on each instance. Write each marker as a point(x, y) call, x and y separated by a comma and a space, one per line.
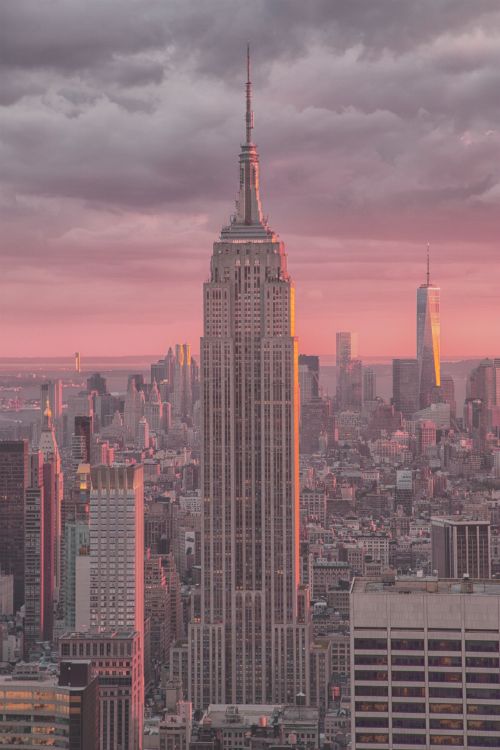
point(249, 639)
point(428, 339)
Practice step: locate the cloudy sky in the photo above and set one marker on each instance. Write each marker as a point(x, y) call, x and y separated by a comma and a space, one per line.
point(378, 125)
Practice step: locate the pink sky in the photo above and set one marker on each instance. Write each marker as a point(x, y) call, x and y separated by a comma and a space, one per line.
point(120, 129)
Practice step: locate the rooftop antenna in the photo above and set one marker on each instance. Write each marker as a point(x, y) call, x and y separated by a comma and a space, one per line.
point(249, 113)
point(428, 265)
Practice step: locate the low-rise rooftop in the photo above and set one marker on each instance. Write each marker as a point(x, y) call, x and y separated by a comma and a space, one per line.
point(426, 585)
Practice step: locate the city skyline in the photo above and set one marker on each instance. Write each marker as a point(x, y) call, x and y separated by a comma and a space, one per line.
point(80, 244)
point(282, 530)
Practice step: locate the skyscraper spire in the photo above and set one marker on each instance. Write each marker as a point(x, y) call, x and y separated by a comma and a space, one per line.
point(248, 220)
point(47, 416)
point(249, 113)
point(428, 265)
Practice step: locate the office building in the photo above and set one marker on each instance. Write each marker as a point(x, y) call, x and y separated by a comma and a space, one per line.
point(76, 567)
point(35, 609)
point(404, 492)
point(40, 553)
point(460, 547)
point(483, 385)
point(369, 385)
point(428, 340)
point(75, 510)
point(116, 659)
point(496, 464)
point(349, 373)
point(405, 386)
point(52, 391)
point(438, 413)
point(153, 410)
point(6, 594)
point(308, 378)
point(250, 642)
point(82, 438)
point(53, 490)
point(133, 409)
point(79, 405)
point(96, 383)
point(157, 608)
point(163, 372)
point(117, 547)
point(39, 710)
point(142, 434)
point(237, 727)
point(425, 663)
point(346, 347)
point(182, 396)
point(316, 421)
point(426, 435)
point(447, 394)
point(14, 478)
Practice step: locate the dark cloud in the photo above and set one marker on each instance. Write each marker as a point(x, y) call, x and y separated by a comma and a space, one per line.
point(120, 120)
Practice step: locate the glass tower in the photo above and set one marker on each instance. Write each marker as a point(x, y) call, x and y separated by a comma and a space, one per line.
point(428, 340)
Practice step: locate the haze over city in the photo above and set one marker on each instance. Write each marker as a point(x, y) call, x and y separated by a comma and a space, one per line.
point(378, 130)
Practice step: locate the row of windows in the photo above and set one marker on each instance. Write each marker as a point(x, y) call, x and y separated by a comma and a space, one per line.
point(418, 644)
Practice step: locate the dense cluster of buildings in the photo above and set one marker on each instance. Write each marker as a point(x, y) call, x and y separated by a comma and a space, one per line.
point(222, 556)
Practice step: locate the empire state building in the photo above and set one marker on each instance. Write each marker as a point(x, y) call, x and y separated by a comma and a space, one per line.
point(249, 638)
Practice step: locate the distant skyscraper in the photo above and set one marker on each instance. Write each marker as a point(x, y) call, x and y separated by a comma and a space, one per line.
point(163, 370)
point(183, 397)
point(308, 378)
point(80, 443)
point(52, 392)
point(350, 386)
point(428, 339)
point(369, 384)
point(153, 409)
point(78, 364)
point(142, 435)
point(53, 500)
point(346, 347)
point(447, 394)
point(134, 408)
point(405, 386)
point(79, 405)
point(14, 478)
point(250, 642)
point(97, 383)
point(483, 384)
point(349, 372)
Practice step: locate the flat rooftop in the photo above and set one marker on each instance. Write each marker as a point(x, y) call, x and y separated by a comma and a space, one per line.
point(99, 635)
point(458, 521)
point(226, 715)
point(428, 585)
